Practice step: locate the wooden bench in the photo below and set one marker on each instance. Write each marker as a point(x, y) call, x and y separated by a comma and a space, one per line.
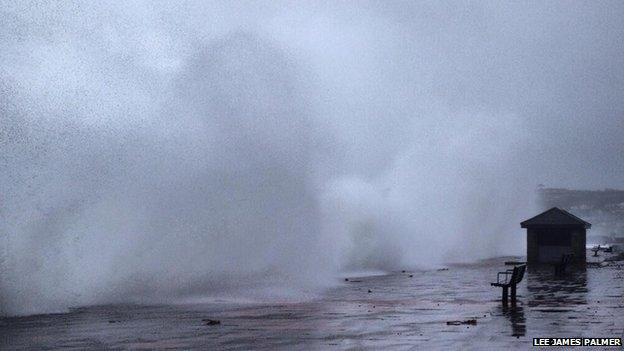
point(595, 249)
point(560, 268)
point(511, 278)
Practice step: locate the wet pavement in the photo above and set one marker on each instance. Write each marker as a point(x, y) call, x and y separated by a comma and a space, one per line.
point(402, 311)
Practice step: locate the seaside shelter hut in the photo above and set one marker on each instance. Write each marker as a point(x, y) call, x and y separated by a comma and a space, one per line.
point(553, 234)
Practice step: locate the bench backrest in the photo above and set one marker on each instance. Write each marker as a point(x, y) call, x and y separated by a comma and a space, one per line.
point(566, 258)
point(518, 274)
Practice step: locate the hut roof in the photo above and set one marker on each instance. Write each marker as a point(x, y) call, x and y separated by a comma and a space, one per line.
point(555, 217)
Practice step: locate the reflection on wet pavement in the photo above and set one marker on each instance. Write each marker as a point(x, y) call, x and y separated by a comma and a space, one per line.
point(557, 291)
point(399, 312)
point(515, 315)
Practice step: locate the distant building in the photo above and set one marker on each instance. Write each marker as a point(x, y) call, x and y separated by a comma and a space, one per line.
point(554, 233)
point(603, 208)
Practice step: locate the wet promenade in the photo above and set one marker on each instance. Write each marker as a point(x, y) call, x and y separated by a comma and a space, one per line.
point(401, 312)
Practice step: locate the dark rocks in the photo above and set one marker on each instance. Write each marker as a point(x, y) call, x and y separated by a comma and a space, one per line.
point(468, 321)
point(209, 321)
point(618, 257)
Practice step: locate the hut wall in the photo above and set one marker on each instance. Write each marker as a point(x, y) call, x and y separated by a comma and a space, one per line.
point(579, 241)
point(532, 246)
point(538, 237)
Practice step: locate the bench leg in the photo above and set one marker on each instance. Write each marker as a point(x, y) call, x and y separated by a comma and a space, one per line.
point(513, 293)
point(505, 293)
